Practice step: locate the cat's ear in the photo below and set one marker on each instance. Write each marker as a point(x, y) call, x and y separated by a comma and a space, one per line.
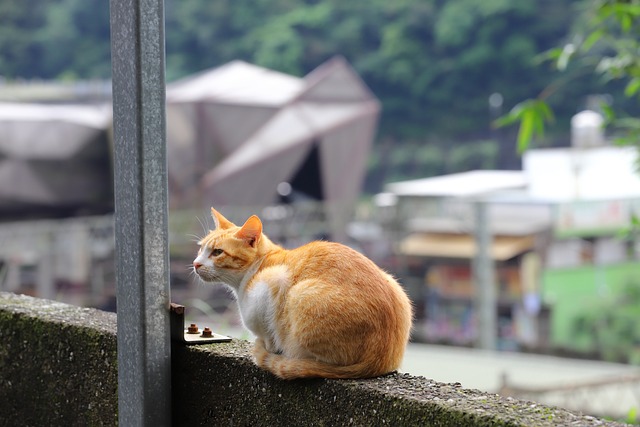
point(220, 221)
point(251, 231)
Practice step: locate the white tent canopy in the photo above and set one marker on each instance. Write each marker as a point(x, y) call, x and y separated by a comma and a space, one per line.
point(253, 128)
point(53, 156)
point(237, 83)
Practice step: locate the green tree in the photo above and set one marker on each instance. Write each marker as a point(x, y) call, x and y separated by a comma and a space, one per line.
point(432, 63)
point(606, 42)
point(18, 53)
point(55, 39)
point(81, 27)
point(610, 325)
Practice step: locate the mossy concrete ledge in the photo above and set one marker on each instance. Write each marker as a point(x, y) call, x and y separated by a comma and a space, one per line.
point(58, 367)
point(58, 364)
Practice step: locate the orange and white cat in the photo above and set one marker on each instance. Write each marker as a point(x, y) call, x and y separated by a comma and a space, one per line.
point(320, 310)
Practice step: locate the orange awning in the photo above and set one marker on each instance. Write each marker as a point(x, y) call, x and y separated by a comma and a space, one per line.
point(439, 245)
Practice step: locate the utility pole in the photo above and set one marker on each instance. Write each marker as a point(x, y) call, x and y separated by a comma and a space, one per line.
point(484, 279)
point(141, 217)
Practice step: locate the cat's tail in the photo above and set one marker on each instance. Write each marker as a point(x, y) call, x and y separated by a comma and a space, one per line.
point(287, 368)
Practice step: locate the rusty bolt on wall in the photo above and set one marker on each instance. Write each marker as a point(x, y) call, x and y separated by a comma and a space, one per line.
point(206, 332)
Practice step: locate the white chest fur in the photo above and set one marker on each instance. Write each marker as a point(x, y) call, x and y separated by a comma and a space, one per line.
point(258, 305)
point(257, 309)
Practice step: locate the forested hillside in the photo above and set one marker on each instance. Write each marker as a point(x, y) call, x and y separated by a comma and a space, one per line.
point(433, 63)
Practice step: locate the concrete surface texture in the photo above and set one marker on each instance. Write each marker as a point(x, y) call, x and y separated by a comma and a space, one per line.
point(57, 366)
point(485, 370)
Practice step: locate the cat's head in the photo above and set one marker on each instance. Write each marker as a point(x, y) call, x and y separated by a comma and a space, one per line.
point(228, 251)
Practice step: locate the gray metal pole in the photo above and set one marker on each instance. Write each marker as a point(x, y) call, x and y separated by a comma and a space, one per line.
point(142, 264)
point(484, 278)
point(45, 273)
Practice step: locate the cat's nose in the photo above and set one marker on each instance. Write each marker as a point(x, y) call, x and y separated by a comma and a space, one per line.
point(196, 265)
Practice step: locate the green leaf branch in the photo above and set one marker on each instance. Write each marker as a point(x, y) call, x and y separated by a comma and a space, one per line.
point(532, 115)
point(610, 47)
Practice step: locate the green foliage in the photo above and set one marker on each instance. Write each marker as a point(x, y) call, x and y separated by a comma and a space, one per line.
point(18, 20)
point(475, 155)
point(631, 233)
point(431, 161)
point(612, 325)
point(72, 41)
point(532, 115)
point(609, 46)
point(433, 64)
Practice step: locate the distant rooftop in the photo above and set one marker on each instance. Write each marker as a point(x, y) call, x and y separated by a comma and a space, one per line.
point(237, 82)
point(582, 174)
point(465, 184)
point(548, 176)
point(84, 91)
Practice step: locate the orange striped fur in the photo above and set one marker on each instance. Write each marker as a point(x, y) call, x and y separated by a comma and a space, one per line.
point(320, 310)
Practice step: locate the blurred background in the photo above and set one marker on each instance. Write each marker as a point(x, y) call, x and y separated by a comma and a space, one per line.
point(373, 124)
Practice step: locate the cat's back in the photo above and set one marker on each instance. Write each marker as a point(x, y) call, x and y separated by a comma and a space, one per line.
point(333, 262)
point(329, 254)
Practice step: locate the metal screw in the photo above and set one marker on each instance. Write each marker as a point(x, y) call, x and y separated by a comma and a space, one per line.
point(206, 333)
point(193, 329)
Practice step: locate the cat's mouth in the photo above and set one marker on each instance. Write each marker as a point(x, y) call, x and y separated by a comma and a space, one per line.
point(212, 275)
point(206, 274)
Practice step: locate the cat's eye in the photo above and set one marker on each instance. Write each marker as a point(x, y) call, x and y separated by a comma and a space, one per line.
point(216, 252)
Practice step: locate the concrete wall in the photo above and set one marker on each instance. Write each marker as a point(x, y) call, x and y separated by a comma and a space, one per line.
point(57, 364)
point(58, 367)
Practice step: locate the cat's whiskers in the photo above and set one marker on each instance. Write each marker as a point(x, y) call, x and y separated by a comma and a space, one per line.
point(191, 268)
point(205, 227)
point(193, 275)
point(195, 237)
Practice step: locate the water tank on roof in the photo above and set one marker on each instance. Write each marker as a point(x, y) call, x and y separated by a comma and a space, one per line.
point(587, 130)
